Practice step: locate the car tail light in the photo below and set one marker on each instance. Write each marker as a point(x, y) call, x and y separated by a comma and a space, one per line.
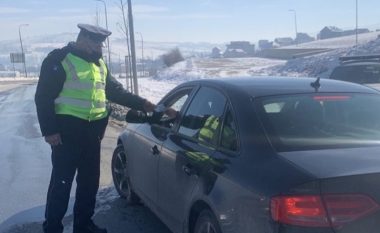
point(347, 208)
point(299, 210)
point(317, 211)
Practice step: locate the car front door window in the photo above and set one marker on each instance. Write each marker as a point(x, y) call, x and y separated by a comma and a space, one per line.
point(202, 119)
point(176, 103)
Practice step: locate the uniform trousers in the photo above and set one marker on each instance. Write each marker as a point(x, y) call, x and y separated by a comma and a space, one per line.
point(78, 155)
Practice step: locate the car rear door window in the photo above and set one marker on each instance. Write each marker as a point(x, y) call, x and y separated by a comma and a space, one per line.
point(202, 121)
point(362, 74)
point(229, 139)
point(321, 121)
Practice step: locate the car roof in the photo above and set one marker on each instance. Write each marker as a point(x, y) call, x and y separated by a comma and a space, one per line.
point(364, 57)
point(360, 63)
point(369, 59)
point(266, 86)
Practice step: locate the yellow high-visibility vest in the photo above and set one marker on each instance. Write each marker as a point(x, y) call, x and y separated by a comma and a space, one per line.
point(207, 132)
point(83, 93)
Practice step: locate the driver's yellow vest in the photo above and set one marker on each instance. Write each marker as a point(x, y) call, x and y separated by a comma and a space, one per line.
point(83, 93)
point(209, 129)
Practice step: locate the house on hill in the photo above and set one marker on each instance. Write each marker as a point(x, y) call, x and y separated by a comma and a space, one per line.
point(332, 32)
point(216, 53)
point(329, 32)
point(303, 38)
point(353, 32)
point(283, 41)
point(239, 49)
point(265, 44)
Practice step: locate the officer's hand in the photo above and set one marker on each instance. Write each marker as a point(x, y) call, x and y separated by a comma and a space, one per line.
point(149, 106)
point(54, 140)
point(171, 113)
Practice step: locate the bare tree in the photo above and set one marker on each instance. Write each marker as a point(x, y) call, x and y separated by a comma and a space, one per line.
point(172, 57)
point(124, 28)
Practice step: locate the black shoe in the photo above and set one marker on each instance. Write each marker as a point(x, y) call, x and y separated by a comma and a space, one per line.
point(90, 228)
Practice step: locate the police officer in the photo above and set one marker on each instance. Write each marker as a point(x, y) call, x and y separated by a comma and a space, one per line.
point(71, 96)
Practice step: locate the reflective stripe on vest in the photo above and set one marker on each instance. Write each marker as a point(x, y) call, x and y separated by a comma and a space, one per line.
point(79, 103)
point(83, 93)
point(71, 68)
point(82, 86)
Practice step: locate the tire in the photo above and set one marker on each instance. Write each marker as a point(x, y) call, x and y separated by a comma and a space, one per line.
point(120, 176)
point(206, 223)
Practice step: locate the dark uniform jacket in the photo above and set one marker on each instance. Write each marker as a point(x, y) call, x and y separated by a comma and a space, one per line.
point(50, 84)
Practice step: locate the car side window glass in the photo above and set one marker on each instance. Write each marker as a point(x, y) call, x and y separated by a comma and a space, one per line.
point(176, 103)
point(203, 118)
point(229, 139)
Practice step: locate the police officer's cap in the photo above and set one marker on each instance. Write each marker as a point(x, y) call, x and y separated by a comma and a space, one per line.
point(96, 33)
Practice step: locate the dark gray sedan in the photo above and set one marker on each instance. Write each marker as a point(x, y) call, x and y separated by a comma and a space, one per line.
point(257, 155)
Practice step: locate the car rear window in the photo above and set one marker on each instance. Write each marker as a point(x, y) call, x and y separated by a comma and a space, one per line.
point(321, 121)
point(362, 74)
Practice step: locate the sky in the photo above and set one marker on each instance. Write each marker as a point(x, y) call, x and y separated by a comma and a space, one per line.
point(215, 21)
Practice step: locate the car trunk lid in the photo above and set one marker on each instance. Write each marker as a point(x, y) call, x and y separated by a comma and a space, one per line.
point(350, 185)
point(336, 162)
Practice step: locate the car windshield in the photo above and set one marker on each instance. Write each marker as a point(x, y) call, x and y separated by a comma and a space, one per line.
point(321, 121)
point(363, 74)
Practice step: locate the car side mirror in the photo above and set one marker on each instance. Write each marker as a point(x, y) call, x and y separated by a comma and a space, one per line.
point(134, 116)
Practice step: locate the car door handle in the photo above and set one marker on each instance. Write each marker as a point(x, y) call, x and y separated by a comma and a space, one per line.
point(155, 150)
point(189, 170)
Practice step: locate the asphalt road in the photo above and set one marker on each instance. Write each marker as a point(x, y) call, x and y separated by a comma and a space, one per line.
point(25, 171)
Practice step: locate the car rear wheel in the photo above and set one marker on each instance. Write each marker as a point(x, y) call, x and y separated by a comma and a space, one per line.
point(120, 176)
point(206, 223)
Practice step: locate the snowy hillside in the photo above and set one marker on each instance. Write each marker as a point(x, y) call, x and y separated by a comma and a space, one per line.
point(321, 65)
point(339, 42)
point(38, 47)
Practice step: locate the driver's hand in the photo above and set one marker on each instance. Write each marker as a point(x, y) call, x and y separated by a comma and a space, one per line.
point(171, 113)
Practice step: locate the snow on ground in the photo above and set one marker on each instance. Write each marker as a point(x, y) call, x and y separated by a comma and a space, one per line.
point(156, 87)
point(24, 157)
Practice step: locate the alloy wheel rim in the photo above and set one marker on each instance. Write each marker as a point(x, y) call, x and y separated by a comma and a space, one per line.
point(120, 171)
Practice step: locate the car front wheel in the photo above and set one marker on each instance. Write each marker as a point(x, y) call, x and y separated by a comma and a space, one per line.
point(206, 223)
point(120, 176)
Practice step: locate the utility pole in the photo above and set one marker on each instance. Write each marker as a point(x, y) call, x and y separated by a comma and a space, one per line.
point(125, 31)
point(108, 40)
point(295, 24)
point(133, 50)
point(142, 53)
point(22, 48)
point(127, 76)
point(127, 59)
point(97, 17)
point(356, 31)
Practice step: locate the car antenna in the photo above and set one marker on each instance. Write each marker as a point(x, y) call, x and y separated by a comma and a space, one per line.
point(316, 84)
